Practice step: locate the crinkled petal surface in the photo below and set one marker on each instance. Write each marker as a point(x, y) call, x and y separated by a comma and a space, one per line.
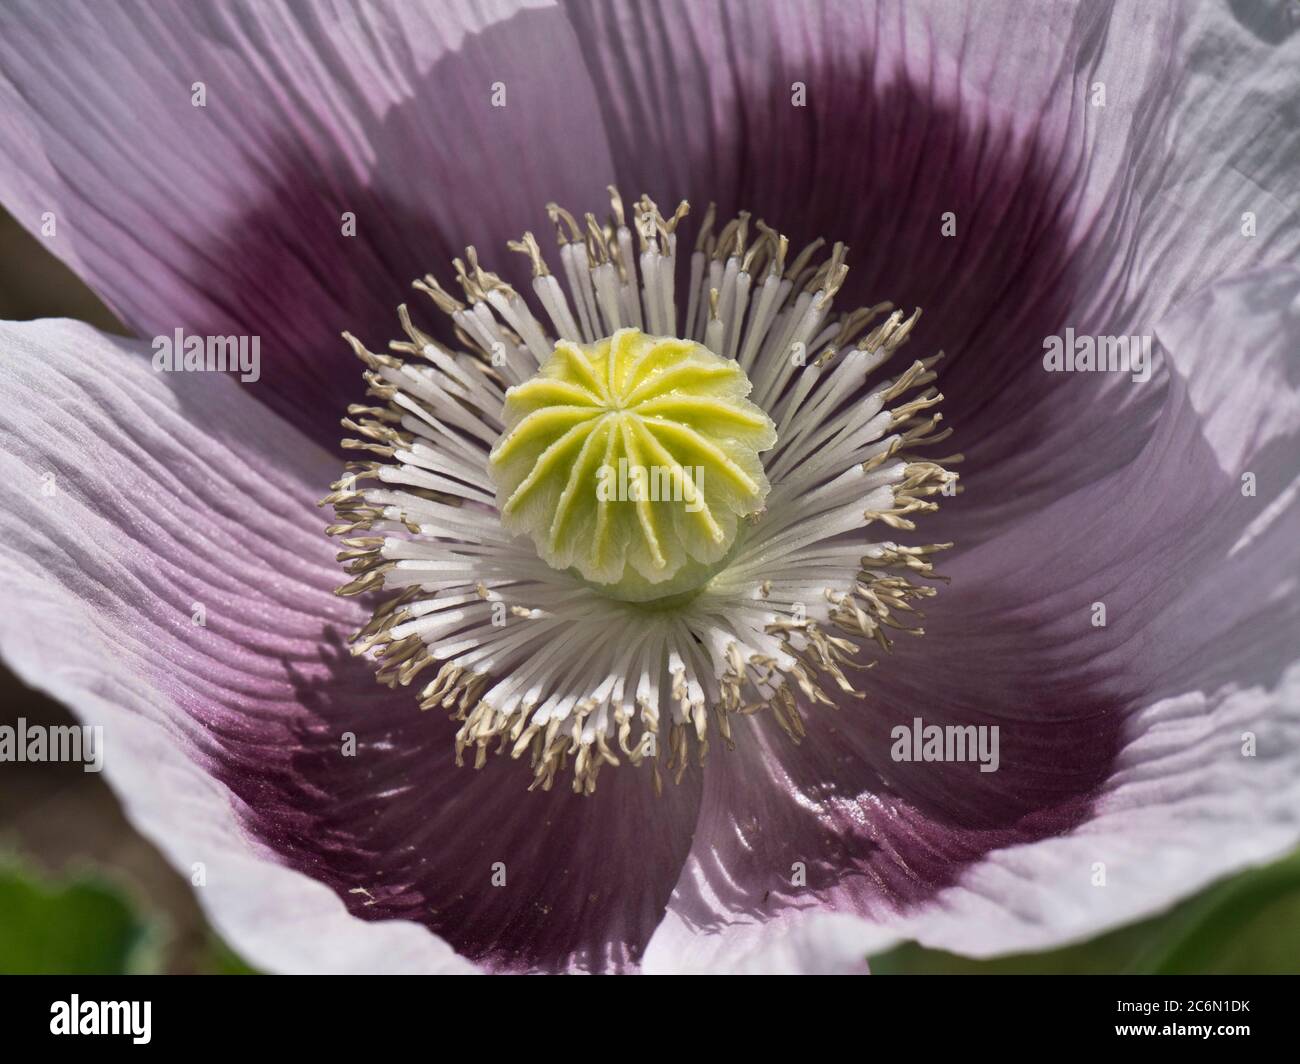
point(1073, 210)
point(231, 217)
point(254, 744)
point(1121, 745)
point(1069, 208)
point(1162, 749)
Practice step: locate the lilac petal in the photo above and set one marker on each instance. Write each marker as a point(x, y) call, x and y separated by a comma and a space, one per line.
point(227, 741)
point(1121, 746)
point(1067, 214)
point(228, 218)
point(127, 510)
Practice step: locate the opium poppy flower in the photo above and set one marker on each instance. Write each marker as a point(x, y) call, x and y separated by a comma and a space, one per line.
point(931, 467)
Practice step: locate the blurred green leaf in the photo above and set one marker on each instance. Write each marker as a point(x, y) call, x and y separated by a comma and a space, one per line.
point(1249, 924)
point(83, 925)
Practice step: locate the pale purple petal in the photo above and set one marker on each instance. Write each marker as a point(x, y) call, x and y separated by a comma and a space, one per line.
point(1121, 746)
point(227, 740)
point(120, 522)
point(1067, 214)
point(228, 218)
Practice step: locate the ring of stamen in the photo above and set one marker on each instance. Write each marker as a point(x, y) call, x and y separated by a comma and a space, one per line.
point(541, 660)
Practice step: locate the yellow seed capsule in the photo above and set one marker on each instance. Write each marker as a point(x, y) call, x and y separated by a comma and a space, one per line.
point(631, 460)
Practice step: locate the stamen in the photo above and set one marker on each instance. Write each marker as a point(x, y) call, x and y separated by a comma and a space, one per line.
point(587, 633)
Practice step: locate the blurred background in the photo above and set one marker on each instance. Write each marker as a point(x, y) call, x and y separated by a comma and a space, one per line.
point(82, 892)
